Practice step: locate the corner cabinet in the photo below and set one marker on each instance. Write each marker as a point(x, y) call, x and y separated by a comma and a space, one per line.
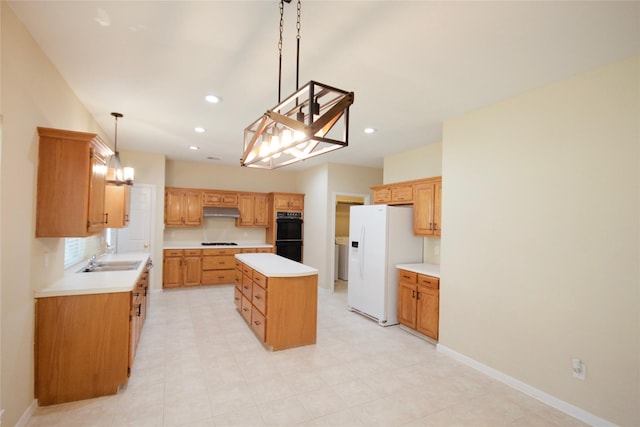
point(181, 267)
point(182, 207)
point(71, 183)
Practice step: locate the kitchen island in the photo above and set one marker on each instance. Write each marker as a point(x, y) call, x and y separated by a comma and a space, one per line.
point(87, 329)
point(278, 298)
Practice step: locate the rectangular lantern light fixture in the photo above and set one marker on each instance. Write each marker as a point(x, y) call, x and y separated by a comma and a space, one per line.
point(313, 120)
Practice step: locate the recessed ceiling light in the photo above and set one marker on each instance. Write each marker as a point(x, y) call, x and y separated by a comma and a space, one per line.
point(369, 130)
point(193, 147)
point(213, 99)
point(199, 129)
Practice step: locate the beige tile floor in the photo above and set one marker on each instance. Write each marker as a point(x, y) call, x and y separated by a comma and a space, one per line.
point(198, 364)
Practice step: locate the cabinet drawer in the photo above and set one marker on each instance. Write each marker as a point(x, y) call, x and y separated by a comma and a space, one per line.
point(429, 281)
point(246, 286)
point(259, 298)
point(224, 262)
point(215, 252)
point(246, 309)
point(260, 279)
point(173, 252)
point(264, 250)
point(192, 252)
point(237, 278)
point(237, 298)
point(218, 277)
point(258, 324)
point(407, 276)
point(246, 270)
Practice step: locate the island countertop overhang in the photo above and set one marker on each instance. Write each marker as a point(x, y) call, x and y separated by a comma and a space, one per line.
point(272, 265)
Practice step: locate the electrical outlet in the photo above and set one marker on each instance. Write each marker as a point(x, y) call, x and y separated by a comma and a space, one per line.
point(579, 369)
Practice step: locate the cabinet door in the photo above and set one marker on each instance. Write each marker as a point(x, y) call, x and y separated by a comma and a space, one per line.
point(96, 217)
point(172, 272)
point(281, 203)
point(245, 206)
point(173, 207)
point(117, 201)
point(407, 304)
point(192, 270)
point(403, 194)
point(428, 311)
point(192, 206)
point(437, 208)
point(381, 196)
point(296, 203)
point(423, 196)
point(260, 216)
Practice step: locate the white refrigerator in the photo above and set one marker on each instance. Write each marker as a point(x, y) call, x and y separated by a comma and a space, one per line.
point(380, 237)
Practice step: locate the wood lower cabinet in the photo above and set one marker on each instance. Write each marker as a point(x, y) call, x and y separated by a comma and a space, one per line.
point(71, 183)
point(182, 207)
point(85, 345)
point(181, 267)
point(281, 311)
point(419, 302)
point(218, 266)
point(427, 208)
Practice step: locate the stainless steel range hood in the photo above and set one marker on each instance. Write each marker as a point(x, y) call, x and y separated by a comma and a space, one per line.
point(221, 212)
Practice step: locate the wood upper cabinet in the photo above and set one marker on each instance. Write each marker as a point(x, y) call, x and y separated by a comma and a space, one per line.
point(182, 207)
point(393, 194)
point(117, 204)
point(288, 202)
point(253, 210)
point(219, 198)
point(71, 183)
point(427, 208)
point(419, 302)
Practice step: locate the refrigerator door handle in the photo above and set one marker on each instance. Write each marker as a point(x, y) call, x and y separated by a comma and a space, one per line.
point(361, 251)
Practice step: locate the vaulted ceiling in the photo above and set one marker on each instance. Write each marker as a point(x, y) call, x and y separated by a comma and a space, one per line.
point(411, 64)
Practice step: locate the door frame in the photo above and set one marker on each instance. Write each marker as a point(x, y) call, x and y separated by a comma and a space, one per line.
point(332, 225)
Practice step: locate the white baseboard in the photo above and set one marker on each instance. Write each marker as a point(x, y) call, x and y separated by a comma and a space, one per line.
point(545, 398)
point(26, 416)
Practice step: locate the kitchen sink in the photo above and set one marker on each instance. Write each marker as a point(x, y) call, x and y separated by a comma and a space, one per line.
point(102, 266)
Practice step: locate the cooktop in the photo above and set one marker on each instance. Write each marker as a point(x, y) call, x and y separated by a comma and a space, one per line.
point(219, 244)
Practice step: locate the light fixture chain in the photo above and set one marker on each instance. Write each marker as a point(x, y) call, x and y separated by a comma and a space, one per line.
point(298, 47)
point(280, 50)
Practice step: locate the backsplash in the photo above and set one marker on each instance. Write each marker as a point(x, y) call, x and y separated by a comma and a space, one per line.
point(215, 230)
point(431, 250)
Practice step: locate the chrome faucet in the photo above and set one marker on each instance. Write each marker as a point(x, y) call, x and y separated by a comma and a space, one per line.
point(92, 261)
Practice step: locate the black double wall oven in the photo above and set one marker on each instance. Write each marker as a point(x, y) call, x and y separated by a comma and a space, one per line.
point(289, 235)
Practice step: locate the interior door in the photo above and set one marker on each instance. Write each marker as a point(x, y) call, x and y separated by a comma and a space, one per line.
point(136, 237)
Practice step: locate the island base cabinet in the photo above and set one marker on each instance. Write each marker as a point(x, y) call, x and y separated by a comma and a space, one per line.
point(81, 346)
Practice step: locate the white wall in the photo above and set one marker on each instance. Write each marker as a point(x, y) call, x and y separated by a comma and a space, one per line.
point(541, 206)
point(33, 94)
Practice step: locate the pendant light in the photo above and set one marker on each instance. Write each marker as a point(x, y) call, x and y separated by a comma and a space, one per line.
point(313, 120)
point(116, 174)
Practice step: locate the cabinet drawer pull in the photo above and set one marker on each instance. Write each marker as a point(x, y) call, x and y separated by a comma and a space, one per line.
point(413, 294)
point(257, 323)
point(257, 297)
point(245, 309)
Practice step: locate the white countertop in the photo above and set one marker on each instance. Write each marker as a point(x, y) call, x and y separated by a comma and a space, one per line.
point(74, 283)
point(428, 269)
point(272, 265)
point(199, 245)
